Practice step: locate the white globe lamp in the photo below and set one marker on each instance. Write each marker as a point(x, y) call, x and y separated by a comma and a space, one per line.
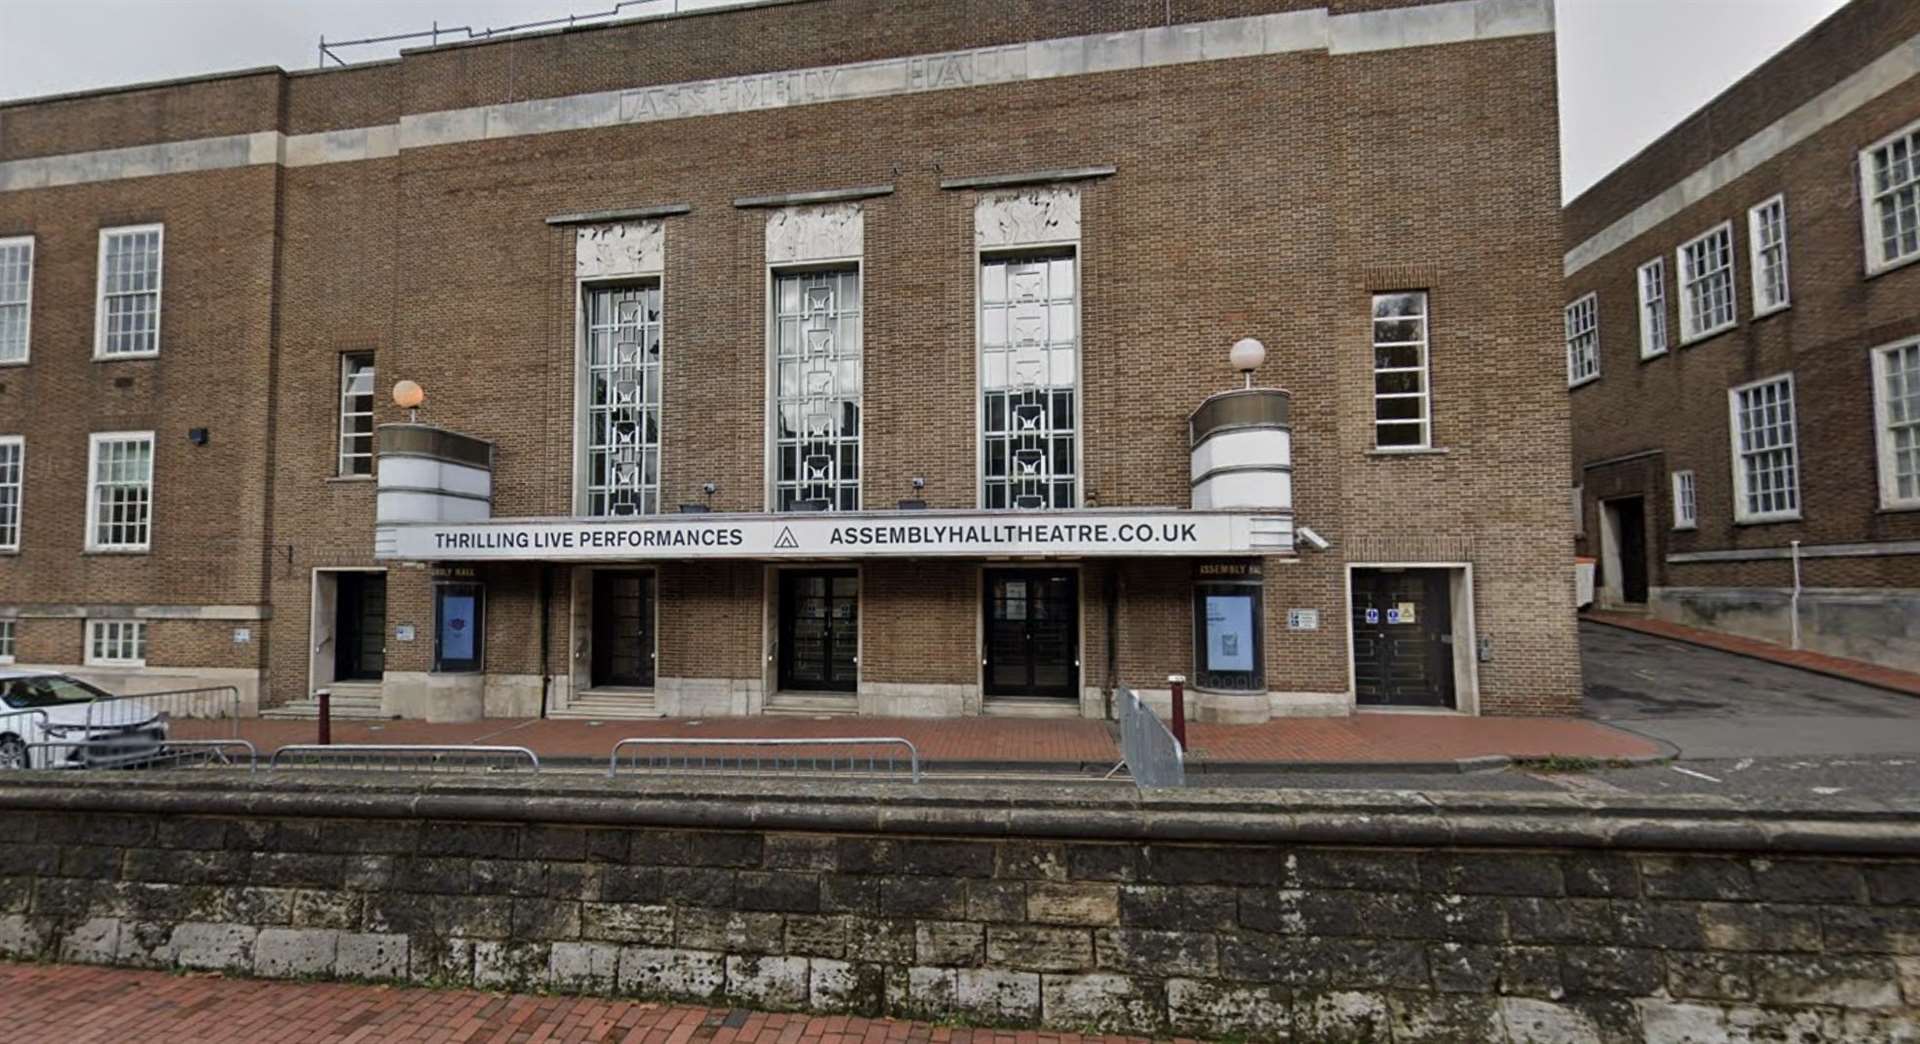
point(1247, 355)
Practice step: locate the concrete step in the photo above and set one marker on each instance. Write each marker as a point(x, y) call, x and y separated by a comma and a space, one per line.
point(608, 706)
point(1029, 707)
point(812, 705)
point(353, 708)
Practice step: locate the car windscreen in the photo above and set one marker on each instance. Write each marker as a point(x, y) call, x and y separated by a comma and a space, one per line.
point(25, 693)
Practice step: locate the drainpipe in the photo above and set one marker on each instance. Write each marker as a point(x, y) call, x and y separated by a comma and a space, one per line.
point(546, 607)
point(1113, 634)
point(1794, 605)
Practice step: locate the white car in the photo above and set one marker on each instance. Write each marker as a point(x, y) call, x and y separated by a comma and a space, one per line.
point(41, 707)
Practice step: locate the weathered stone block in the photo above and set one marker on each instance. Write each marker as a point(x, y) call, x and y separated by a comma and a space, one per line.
point(1002, 901)
point(472, 916)
point(768, 982)
point(1872, 929)
point(817, 935)
point(16, 894)
point(1753, 926)
point(142, 944)
point(550, 842)
point(1372, 964)
point(880, 941)
point(1845, 982)
point(213, 947)
point(927, 993)
point(852, 895)
point(1711, 976)
point(1600, 875)
point(1445, 1018)
point(93, 941)
point(1102, 862)
point(102, 864)
point(1271, 959)
point(839, 986)
point(494, 876)
point(724, 848)
point(1342, 1017)
point(1030, 948)
point(997, 995)
point(930, 897)
point(298, 870)
point(779, 891)
point(191, 832)
point(802, 852)
point(499, 964)
point(286, 953)
point(1188, 909)
point(1581, 921)
point(1808, 881)
point(944, 858)
point(370, 955)
point(29, 860)
point(1658, 925)
point(1696, 877)
point(1205, 864)
point(1529, 1020)
point(1531, 971)
point(370, 873)
point(957, 943)
point(1891, 883)
point(437, 960)
point(1671, 1022)
point(1492, 873)
point(370, 837)
point(94, 828)
point(1031, 861)
point(1464, 967)
point(1611, 969)
point(697, 886)
point(1342, 868)
point(728, 932)
point(545, 919)
point(1144, 952)
point(609, 846)
point(1210, 1009)
point(592, 966)
point(627, 923)
point(1102, 1001)
point(264, 907)
point(1075, 903)
point(314, 909)
point(681, 974)
point(473, 840)
point(631, 884)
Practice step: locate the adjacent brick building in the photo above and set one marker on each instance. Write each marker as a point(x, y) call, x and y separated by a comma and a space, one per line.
point(772, 367)
point(1743, 332)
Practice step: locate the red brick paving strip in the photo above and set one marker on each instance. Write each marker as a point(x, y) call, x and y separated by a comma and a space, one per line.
point(75, 1004)
point(1819, 663)
point(1367, 737)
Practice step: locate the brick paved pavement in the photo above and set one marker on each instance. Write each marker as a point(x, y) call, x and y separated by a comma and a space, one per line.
point(1819, 663)
point(74, 1004)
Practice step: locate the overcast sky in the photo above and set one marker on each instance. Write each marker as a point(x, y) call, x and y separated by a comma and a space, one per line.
point(1629, 69)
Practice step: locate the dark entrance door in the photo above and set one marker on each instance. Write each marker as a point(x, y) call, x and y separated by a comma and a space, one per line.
point(820, 630)
point(1630, 530)
point(1032, 633)
point(360, 626)
point(623, 628)
point(1402, 638)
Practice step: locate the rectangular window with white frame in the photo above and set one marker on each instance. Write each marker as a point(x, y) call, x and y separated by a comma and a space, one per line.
point(356, 414)
point(1583, 340)
point(13, 475)
point(1706, 284)
point(1686, 513)
point(1766, 453)
point(1890, 196)
point(1896, 407)
point(7, 633)
point(120, 491)
point(1030, 378)
point(1653, 308)
point(1767, 242)
point(1402, 406)
point(623, 346)
point(817, 378)
point(16, 298)
point(116, 643)
point(127, 318)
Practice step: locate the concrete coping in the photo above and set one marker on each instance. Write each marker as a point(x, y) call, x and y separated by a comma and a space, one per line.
point(597, 217)
point(1692, 823)
point(1032, 177)
point(794, 199)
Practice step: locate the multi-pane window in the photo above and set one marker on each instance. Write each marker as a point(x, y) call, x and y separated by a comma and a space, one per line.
point(1030, 379)
point(1896, 380)
point(1766, 460)
point(1685, 508)
point(120, 493)
point(16, 298)
point(6, 641)
point(13, 460)
point(1401, 414)
point(623, 400)
point(1890, 181)
point(817, 358)
point(1706, 284)
point(1583, 340)
point(121, 643)
point(1653, 308)
point(128, 319)
point(1767, 236)
point(356, 414)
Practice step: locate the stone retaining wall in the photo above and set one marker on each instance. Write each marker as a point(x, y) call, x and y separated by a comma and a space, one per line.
point(1268, 915)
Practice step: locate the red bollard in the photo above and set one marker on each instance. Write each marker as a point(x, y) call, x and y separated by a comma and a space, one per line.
point(1179, 683)
point(326, 716)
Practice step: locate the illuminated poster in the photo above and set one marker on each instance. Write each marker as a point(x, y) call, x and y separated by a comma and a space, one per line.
point(457, 626)
point(1229, 632)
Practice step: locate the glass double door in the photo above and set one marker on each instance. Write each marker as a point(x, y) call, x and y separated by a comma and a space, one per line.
point(819, 630)
point(1032, 633)
point(623, 615)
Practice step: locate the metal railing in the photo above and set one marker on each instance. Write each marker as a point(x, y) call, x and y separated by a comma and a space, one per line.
point(1152, 756)
point(404, 757)
point(329, 49)
point(119, 713)
point(677, 754)
point(120, 753)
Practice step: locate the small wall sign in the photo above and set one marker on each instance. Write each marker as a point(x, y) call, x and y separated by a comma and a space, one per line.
point(403, 632)
point(1303, 619)
point(1373, 616)
point(242, 635)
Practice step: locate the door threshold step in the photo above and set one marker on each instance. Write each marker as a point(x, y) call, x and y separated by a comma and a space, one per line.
point(1029, 707)
point(812, 704)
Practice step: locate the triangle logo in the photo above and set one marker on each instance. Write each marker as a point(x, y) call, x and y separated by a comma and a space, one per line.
point(786, 540)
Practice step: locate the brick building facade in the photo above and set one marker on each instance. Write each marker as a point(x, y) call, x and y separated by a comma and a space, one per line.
point(772, 367)
point(1743, 329)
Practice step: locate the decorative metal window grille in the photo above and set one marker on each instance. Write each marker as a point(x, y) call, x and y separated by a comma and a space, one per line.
point(356, 415)
point(1706, 283)
point(1653, 308)
point(117, 642)
point(1898, 371)
point(122, 492)
point(129, 316)
point(1030, 377)
point(817, 364)
point(1685, 510)
point(16, 297)
point(6, 641)
point(1892, 175)
point(1766, 458)
point(1583, 340)
point(623, 400)
point(13, 453)
point(1767, 235)
point(1401, 408)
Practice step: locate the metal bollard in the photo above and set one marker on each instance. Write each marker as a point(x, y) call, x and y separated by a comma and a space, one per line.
point(325, 697)
point(1179, 714)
